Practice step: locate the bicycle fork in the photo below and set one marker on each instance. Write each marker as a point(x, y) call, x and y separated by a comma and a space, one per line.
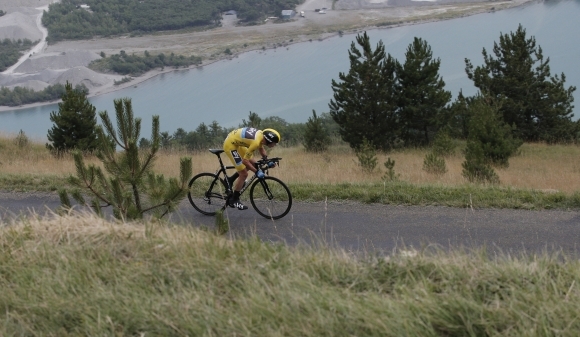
point(266, 189)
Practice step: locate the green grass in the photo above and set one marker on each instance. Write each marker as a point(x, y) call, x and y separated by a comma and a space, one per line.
point(402, 193)
point(396, 193)
point(31, 183)
point(84, 276)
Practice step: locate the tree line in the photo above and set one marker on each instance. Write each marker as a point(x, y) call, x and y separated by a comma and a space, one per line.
point(68, 20)
point(389, 104)
point(12, 50)
point(384, 104)
point(75, 127)
point(206, 136)
point(21, 95)
point(135, 65)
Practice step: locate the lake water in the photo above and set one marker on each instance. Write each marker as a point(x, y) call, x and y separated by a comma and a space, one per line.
point(290, 82)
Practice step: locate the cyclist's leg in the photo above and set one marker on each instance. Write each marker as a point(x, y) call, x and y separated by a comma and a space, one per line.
point(235, 154)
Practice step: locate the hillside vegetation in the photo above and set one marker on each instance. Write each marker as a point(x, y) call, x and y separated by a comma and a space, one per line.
point(82, 275)
point(68, 20)
point(10, 51)
point(540, 176)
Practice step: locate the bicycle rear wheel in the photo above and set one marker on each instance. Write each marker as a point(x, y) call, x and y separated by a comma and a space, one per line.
point(270, 197)
point(206, 193)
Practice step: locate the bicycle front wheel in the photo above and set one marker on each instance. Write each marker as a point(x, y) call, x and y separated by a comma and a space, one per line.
point(206, 193)
point(270, 197)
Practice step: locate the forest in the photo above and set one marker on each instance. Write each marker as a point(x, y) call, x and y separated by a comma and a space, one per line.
point(205, 135)
point(20, 95)
point(68, 20)
point(135, 65)
point(11, 50)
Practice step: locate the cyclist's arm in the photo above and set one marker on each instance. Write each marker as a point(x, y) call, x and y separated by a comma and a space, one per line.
point(263, 152)
point(249, 165)
point(247, 158)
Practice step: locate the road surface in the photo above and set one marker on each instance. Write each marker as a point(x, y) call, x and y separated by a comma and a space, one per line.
point(377, 228)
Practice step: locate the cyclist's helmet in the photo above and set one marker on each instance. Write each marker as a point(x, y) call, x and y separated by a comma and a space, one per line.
point(271, 136)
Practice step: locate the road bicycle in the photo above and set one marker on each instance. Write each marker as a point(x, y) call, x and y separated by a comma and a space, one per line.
point(270, 197)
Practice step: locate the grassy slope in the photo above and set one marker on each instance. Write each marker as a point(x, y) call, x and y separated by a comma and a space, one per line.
point(84, 276)
point(535, 179)
point(532, 181)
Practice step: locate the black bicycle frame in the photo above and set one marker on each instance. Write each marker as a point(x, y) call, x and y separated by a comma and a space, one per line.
point(223, 170)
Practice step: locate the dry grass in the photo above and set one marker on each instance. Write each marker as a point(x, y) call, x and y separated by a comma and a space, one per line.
point(81, 275)
point(537, 166)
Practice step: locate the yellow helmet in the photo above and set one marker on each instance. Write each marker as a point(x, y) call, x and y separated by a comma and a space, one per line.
point(271, 136)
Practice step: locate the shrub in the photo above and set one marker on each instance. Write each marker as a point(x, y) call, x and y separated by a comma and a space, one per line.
point(390, 175)
point(443, 145)
point(488, 131)
point(434, 164)
point(21, 140)
point(476, 167)
point(316, 138)
point(367, 156)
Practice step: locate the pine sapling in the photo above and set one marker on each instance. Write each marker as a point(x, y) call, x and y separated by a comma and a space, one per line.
point(434, 164)
point(130, 187)
point(390, 175)
point(367, 156)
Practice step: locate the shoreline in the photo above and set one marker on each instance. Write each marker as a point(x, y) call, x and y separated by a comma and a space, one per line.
point(306, 37)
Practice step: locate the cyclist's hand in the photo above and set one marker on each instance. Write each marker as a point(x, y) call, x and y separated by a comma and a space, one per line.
point(260, 174)
point(271, 164)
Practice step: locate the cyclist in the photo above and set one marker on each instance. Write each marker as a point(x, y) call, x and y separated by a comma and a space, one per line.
point(239, 146)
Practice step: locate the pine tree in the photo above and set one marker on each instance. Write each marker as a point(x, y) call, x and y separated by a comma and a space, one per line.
point(423, 97)
point(367, 156)
point(490, 134)
point(316, 138)
point(132, 188)
point(537, 104)
point(253, 121)
point(365, 101)
point(457, 116)
point(74, 123)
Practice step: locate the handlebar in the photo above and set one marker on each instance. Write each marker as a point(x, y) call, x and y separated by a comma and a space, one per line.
point(262, 164)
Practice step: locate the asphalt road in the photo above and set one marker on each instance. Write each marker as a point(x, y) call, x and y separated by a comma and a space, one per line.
point(374, 228)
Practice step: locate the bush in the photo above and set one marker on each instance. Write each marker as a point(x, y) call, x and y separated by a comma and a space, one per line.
point(316, 138)
point(21, 140)
point(367, 156)
point(434, 164)
point(390, 175)
point(476, 167)
point(443, 145)
point(477, 172)
point(488, 131)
